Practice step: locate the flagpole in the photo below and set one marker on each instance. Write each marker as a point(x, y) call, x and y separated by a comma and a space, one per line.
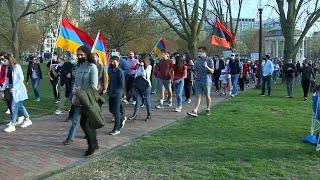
point(95, 41)
point(55, 43)
point(156, 44)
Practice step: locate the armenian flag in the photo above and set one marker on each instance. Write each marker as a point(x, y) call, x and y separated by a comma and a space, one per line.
point(159, 47)
point(221, 36)
point(99, 47)
point(70, 38)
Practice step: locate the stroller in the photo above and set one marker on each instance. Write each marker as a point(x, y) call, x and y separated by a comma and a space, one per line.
point(312, 138)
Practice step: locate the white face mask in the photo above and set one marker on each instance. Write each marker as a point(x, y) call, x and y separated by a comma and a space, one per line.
point(5, 62)
point(202, 54)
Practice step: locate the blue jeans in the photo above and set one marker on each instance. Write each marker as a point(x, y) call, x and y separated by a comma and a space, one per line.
point(290, 83)
point(18, 107)
point(178, 88)
point(75, 122)
point(234, 82)
point(35, 84)
point(143, 95)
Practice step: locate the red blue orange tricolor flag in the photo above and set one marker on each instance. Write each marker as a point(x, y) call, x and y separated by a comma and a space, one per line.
point(100, 48)
point(159, 47)
point(70, 38)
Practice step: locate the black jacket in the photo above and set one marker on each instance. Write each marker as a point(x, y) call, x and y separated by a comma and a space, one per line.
point(37, 68)
point(307, 73)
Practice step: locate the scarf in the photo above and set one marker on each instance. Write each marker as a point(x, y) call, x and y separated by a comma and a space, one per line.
point(2, 74)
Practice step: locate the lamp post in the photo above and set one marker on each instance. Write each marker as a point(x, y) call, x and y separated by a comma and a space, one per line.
point(260, 48)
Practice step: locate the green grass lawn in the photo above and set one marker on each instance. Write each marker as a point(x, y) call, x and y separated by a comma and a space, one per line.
point(246, 137)
point(36, 109)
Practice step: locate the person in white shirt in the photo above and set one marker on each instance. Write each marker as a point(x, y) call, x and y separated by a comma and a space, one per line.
point(275, 73)
point(14, 83)
point(224, 82)
point(143, 69)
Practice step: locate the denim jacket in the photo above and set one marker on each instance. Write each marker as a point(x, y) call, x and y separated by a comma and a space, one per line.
point(86, 76)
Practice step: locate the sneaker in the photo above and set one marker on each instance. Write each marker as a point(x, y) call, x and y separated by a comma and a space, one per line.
point(159, 106)
point(123, 122)
point(38, 100)
point(58, 112)
point(67, 142)
point(170, 104)
point(133, 102)
point(10, 128)
point(20, 120)
point(26, 123)
point(125, 101)
point(262, 95)
point(232, 95)
point(305, 99)
point(8, 112)
point(193, 113)
point(189, 101)
point(114, 132)
point(142, 105)
point(178, 109)
point(11, 123)
point(208, 112)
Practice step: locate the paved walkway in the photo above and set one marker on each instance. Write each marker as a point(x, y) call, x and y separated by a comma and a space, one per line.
point(38, 149)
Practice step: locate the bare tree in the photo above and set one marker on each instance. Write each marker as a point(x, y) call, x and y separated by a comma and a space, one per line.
point(224, 10)
point(292, 12)
point(185, 18)
point(14, 19)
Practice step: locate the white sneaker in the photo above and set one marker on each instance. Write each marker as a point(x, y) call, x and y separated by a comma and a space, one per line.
point(170, 104)
point(125, 101)
point(8, 111)
point(26, 123)
point(178, 109)
point(20, 120)
point(189, 101)
point(58, 112)
point(134, 103)
point(11, 123)
point(10, 128)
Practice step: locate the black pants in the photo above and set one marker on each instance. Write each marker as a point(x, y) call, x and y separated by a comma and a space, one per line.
point(55, 84)
point(216, 80)
point(129, 88)
point(116, 108)
point(241, 83)
point(266, 80)
point(91, 133)
point(187, 88)
point(305, 86)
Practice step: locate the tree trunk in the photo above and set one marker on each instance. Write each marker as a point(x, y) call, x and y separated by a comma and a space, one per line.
point(15, 40)
point(288, 52)
point(192, 46)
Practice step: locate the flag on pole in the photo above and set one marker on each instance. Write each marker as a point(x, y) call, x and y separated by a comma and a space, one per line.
point(159, 47)
point(70, 38)
point(221, 36)
point(100, 48)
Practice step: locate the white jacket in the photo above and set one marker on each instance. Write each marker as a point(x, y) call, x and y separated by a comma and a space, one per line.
point(20, 90)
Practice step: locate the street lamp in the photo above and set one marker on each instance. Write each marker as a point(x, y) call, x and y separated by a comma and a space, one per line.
point(260, 47)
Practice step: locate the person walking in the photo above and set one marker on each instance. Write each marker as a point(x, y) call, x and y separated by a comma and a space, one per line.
point(290, 72)
point(307, 75)
point(14, 82)
point(204, 69)
point(234, 69)
point(218, 66)
point(115, 93)
point(188, 81)
point(35, 74)
point(267, 70)
point(179, 73)
point(131, 64)
point(102, 75)
point(144, 70)
point(276, 71)
point(298, 73)
point(163, 75)
point(86, 77)
point(54, 80)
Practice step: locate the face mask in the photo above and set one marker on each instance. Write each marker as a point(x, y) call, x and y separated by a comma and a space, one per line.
point(81, 60)
point(165, 57)
point(202, 54)
point(73, 61)
point(5, 62)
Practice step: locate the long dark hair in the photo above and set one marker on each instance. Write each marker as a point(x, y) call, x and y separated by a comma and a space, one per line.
point(180, 63)
point(88, 54)
point(145, 59)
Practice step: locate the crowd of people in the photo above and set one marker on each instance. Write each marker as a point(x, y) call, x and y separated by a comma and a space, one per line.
point(81, 80)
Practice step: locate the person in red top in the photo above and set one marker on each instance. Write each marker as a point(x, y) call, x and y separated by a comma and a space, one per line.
point(246, 70)
point(163, 75)
point(179, 73)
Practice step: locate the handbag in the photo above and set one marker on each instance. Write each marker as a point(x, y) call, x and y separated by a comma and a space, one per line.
point(140, 83)
point(7, 95)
